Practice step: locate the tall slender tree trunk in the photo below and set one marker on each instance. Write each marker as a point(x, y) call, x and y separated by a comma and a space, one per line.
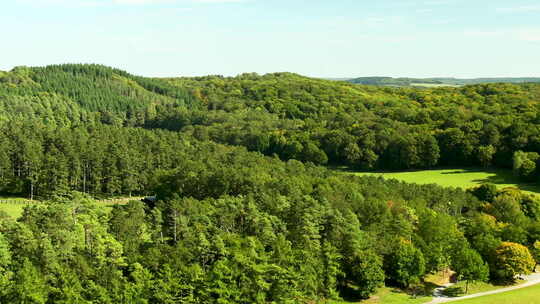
point(84, 179)
point(174, 228)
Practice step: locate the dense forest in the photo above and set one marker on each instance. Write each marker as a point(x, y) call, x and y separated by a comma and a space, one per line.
point(362, 126)
point(244, 211)
point(291, 116)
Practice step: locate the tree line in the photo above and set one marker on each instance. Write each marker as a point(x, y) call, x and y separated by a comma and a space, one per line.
point(291, 116)
point(37, 161)
point(363, 127)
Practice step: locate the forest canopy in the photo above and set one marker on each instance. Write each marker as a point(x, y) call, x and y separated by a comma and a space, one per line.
point(244, 211)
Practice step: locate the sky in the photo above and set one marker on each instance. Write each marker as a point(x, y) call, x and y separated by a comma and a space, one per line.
point(318, 38)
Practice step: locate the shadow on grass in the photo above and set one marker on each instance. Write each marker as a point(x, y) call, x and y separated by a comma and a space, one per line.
point(460, 172)
point(453, 292)
point(429, 287)
point(459, 291)
point(349, 294)
point(503, 177)
point(416, 291)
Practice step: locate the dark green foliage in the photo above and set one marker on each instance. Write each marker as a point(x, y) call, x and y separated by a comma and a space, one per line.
point(364, 270)
point(294, 117)
point(469, 266)
point(485, 192)
point(405, 265)
point(525, 165)
point(360, 126)
point(229, 226)
point(41, 161)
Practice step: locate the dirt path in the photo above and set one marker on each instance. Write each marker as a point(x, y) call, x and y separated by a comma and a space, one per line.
point(120, 200)
point(530, 280)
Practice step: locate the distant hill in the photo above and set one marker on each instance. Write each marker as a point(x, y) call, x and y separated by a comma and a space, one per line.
point(434, 82)
point(75, 92)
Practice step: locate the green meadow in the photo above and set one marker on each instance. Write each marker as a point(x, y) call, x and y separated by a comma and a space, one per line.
point(433, 85)
point(388, 295)
point(12, 209)
point(14, 206)
point(527, 295)
point(459, 177)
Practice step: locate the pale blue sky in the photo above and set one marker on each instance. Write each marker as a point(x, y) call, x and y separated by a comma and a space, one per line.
point(321, 38)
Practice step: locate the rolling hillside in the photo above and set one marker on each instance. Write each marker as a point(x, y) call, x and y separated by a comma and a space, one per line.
point(245, 210)
point(441, 81)
point(71, 93)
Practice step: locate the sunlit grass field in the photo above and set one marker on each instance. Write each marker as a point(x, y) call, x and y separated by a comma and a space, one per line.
point(433, 85)
point(390, 296)
point(458, 290)
point(14, 206)
point(458, 177)
point(387, 295)
point(13, 210)
point(527, 295)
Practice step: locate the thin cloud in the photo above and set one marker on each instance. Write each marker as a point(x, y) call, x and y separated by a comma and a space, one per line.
point(520, 9)
point(139, 2)
point(121, 2)
point(172, 1)
point(219, 1)
point(438, 2)
point(424, 10)
point(528, 35)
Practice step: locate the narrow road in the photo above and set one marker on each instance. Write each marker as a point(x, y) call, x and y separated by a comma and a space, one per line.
point(530, 280)
point(121, 200)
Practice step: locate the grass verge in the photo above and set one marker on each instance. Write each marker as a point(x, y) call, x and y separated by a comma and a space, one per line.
point(527, 295)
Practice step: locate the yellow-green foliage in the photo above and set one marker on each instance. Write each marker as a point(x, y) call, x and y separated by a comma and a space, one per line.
point(513, 259)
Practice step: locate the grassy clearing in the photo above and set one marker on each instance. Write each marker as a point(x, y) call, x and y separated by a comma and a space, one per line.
point(388, 295)
point(14, 208)
point(391, 296)
point(458, 289)
point(433, 85)
point(460, 177)
point(527, 295)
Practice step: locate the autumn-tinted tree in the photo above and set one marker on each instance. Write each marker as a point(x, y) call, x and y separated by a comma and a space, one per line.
point(511, 260)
